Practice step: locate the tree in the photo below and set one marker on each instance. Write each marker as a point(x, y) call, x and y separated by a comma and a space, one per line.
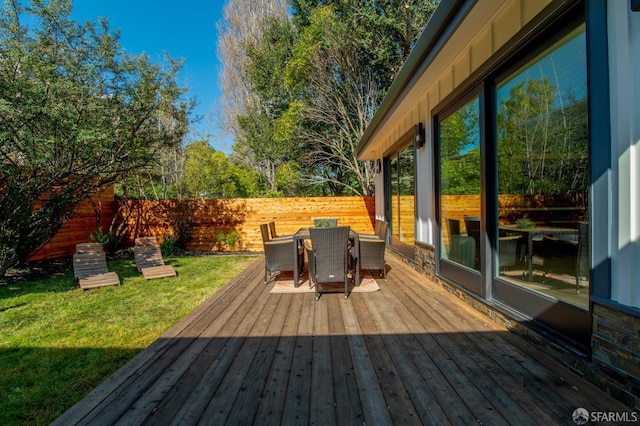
point(542, 140)
point(266, 126)
point(241, 25)
point(255, 40)
point(299, 92)
point(344, 61)
point(460, 151)
point(76, 113)
point(209, 174)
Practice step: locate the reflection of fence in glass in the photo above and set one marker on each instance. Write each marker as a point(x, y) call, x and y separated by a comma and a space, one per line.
point(407, 219)
point(402, 198)
point(562, 209)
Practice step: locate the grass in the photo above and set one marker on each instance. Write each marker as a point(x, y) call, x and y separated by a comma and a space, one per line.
point(58, 342)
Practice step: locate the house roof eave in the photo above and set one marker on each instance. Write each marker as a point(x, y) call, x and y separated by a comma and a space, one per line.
point(448, 14)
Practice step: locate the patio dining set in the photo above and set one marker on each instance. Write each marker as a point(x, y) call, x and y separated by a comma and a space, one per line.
point(551, 248)
point(333, 253)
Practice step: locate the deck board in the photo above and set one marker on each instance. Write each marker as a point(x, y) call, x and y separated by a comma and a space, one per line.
point(410, 353)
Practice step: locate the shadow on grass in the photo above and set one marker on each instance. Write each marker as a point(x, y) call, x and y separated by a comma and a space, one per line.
point(39, 384)
point(62, 281)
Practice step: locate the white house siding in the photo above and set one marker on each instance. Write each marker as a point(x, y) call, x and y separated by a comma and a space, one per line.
point(489, 25)
point(624, 71)
point(615, 197)
point(379, 193)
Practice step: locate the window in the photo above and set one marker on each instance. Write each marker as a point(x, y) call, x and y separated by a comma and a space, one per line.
point(543, 172)
point(460, 185)
point(513, 179)
point(402, 195)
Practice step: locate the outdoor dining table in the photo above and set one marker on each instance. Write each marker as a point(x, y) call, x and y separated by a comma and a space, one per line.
point(537, 231)
point(303, 234)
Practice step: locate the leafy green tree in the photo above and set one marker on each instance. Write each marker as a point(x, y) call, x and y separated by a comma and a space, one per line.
point(303, 93)
point(76, 113)
point(266, 126)
point(209, 174)
point(343, 62)
point(460, 151)
point(542, 142)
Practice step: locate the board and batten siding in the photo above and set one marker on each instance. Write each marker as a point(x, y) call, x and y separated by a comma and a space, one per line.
point(624, 67)
point(489, 28)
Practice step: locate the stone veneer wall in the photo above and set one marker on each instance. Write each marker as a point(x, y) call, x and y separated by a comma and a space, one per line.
point(615, 345)
point(615, 365)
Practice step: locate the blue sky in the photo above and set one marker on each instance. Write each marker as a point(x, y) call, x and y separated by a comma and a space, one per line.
point(185, 29)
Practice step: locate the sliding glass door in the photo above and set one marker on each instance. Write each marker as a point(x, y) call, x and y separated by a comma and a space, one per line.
point(542, 254)
point(512, 175)
point(543, 172)
point(459, 193)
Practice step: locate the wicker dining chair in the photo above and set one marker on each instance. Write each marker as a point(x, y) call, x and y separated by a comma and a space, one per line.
point(372, 256)
point(376, 231)
point(508, 252)
point(279, 254)
point(328, 256)
point(274, 234)
point(472, 223)
point(380, 232)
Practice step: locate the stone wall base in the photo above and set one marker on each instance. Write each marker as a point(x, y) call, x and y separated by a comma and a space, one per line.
point(615, 350)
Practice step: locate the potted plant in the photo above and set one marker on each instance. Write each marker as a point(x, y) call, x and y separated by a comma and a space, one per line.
point(525, 223)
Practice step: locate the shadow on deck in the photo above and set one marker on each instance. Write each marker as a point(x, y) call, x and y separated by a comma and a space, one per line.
point(409, 353)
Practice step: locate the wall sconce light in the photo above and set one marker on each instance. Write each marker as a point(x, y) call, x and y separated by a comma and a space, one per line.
point(418, 136)
point(378, 166)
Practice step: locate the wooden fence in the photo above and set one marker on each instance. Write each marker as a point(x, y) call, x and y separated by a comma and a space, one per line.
point(79, 227)
point(212, 224)
point(218, 224)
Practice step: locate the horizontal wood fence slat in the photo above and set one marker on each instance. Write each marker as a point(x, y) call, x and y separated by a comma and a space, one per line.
point(206, 222)
point(79, 227)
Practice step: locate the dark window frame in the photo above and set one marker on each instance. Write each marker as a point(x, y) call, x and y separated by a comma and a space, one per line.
point(404, 142)
point(557, 20)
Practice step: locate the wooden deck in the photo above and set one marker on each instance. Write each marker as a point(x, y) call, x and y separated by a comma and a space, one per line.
point(409, 353)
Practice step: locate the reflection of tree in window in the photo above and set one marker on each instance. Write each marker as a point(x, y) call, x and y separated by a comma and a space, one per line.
point(460, 151)
point(542, 124)
point(405, 172)
point(541, 148)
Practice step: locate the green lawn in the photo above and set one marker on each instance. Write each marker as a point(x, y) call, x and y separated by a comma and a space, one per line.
point(58, 342)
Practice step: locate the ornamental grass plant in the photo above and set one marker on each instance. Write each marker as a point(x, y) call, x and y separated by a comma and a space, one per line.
point(58, 342)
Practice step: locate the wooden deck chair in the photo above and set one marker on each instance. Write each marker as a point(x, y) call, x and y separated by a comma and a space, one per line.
point(90, 267)
point(149, 259)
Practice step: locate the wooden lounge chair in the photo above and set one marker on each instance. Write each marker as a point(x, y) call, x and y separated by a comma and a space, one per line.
point(149, 259)
point(90, 267)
